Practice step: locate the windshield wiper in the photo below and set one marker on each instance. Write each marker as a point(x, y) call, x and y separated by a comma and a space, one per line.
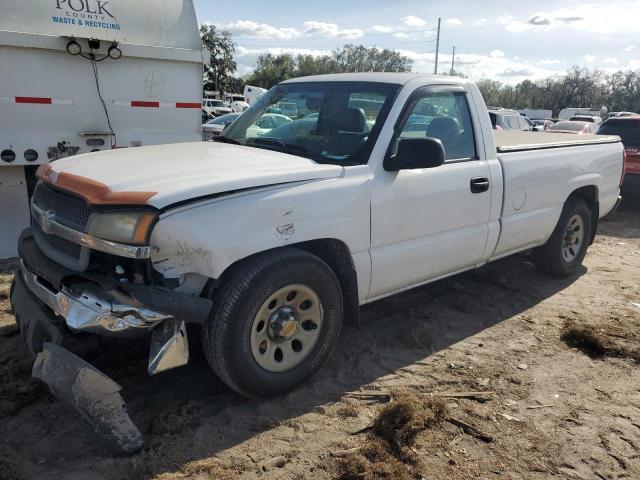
point(280, 145)
point(223, 139)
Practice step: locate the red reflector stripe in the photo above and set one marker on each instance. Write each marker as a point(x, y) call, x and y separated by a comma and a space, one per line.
point(138, 103)
point(40, 100)
point(188, 105)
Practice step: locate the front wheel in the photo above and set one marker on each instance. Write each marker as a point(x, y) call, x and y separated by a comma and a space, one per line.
point(275, 321)
point(566, 248)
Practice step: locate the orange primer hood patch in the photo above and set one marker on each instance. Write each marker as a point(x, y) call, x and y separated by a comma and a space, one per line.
point(94, 192)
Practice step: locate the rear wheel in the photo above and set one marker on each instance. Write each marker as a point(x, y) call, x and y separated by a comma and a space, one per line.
point(566, 248)
point(275, 321)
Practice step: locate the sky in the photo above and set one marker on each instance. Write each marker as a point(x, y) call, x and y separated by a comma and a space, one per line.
point(509, 41)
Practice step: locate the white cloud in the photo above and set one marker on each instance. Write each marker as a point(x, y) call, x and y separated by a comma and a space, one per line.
point(610, 61)
point(454, 22)
point(412, 21)
point(513, 25)
point(330, 30)
point(630, 48)
point(400, 35)
point(263, 31)
point(618, 17)
point(634, 65)
point(549, 62)
point(497, 54)
point(480, 22)
point(381, 29)
point(589, 58)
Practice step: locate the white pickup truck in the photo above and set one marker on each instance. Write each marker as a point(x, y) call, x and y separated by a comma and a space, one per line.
point(381, 182)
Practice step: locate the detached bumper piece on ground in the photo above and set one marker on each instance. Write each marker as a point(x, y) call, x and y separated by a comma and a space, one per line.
point(60, 312)
point(91, 393)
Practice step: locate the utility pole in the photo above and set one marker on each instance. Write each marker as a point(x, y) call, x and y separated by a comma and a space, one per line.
point(453, 60)
point(435, 71)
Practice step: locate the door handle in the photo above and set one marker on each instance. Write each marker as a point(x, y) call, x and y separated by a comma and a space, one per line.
point(479, 184)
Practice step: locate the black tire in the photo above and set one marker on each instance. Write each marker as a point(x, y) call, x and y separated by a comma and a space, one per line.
point(549, 258)
point(226, 336)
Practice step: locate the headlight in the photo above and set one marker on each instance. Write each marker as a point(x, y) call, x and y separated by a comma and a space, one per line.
point(123, 227)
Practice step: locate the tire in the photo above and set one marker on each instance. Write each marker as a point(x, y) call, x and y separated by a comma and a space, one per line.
point(554, 257)
point(231, 337)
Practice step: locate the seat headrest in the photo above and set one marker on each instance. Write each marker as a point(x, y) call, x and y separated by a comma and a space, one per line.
point(352, 120)
point(443, 128)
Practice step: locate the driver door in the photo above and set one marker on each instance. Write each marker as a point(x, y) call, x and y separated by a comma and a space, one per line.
point(427, 223)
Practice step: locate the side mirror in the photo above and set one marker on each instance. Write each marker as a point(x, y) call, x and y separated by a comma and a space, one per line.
point(414, 153)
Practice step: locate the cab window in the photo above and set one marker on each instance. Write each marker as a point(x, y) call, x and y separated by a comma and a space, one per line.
point(445, 116)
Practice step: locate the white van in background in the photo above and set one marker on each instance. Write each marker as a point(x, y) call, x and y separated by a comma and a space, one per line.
point(252, 94)
point(81, 76)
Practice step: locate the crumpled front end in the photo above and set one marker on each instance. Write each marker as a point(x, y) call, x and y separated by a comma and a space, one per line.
point(60, 311)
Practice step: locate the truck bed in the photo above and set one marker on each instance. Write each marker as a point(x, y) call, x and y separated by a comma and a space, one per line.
point(516, 141)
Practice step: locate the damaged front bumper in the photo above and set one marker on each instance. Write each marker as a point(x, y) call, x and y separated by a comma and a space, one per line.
point(49, 300)
point(59, 311)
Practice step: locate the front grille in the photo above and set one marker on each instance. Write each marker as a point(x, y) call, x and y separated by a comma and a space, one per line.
point(69, 210)
point(67, 248)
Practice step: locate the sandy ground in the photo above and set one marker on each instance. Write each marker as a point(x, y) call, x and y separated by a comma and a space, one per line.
point(551, 410)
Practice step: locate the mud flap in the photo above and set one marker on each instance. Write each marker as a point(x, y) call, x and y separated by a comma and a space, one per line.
point(91, 393)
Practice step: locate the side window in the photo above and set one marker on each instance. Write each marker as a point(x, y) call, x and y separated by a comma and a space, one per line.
point(511, 122)
point(445, 116)
point(522, 124)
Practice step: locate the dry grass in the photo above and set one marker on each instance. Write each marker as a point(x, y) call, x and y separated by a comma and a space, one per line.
point(387, 454)
point(598, 342)
point(348, 410)
point(5, 284)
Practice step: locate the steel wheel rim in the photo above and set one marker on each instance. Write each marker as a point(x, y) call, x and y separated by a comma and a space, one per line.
point(286, 328)
point(573, 239)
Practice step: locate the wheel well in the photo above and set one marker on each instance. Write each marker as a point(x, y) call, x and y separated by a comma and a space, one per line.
point(337, 255)
point(590, 195)
point(334, 253)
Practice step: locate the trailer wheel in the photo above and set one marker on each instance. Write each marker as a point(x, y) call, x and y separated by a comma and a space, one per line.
point(565, 250)
point(275, 321)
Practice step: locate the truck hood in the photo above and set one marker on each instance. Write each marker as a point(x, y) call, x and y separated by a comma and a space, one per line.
point(170, 174)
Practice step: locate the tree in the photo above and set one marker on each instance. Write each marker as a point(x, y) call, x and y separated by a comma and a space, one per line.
point(218, 73)
point(272, 69)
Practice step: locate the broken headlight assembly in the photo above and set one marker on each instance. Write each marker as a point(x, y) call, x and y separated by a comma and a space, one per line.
point(131, 227)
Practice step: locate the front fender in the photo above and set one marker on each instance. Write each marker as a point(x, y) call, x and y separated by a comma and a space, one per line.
point(209, 236)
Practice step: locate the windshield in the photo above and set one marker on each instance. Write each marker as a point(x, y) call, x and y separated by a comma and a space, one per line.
point(628, 130)
point(329, 122)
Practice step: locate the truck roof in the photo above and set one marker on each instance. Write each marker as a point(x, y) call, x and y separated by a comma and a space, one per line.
point(377, 77)
point(517, 141)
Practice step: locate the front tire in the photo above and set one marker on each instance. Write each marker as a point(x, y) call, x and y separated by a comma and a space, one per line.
point(566, 248)
point(275, 321)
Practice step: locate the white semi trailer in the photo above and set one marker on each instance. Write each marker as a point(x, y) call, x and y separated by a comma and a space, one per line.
point(86, 75)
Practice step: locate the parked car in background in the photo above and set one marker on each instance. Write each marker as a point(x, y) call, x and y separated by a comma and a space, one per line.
point(586, 118)
point(623, 114)
point(215, 126)
point(239, 106)
point(214, 108)
point(571, 126)
point(628, 129)
point(542, 125)
point(266, 123)
point(503, 119)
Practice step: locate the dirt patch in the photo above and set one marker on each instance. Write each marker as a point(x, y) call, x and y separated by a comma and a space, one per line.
point(526, 405)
